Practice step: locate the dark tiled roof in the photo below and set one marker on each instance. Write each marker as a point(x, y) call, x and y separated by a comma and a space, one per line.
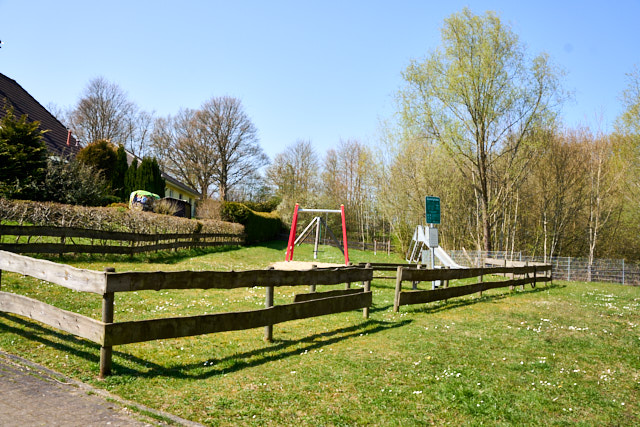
point(56, 136)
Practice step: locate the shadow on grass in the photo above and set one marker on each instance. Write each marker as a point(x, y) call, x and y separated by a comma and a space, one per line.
point(464, 302)
point(279, 349)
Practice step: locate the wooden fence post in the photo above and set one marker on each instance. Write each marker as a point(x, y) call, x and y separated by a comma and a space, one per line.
point(535, 276)
point(312, 288)
point(480, 280)
point(107, 317)
point(268, 302)
point(526, 264)
point(396, 300)
point(367, 288)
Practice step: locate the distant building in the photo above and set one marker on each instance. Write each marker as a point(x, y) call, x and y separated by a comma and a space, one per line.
point(57, 137)
point(173, 188)
point(61, 143)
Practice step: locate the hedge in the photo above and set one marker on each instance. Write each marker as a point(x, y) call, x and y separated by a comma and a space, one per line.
point(258, 226)
point(107, 219)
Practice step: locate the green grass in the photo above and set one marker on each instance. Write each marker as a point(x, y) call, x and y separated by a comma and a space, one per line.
point(559, 355)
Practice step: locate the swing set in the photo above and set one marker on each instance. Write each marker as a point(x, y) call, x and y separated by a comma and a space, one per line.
point(318, 222)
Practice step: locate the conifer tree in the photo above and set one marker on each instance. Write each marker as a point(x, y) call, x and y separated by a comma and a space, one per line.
point(130, 178)
point(23, 156)
point(119, 173)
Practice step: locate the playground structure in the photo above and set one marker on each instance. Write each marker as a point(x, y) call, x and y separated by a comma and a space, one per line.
point(318, 222)
point(425, 246)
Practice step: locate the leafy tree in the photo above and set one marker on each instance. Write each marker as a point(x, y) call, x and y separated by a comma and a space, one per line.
point(119, 173)
point(158, 181)
point(100, 155)
point(130, 178)
point(629, 121)
point(148, 177)
point(23, 156)
point(479, 96)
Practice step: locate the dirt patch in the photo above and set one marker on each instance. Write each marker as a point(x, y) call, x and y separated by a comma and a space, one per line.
point(302, 265)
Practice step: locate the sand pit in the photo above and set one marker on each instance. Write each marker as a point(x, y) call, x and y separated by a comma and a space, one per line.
point(302, 265)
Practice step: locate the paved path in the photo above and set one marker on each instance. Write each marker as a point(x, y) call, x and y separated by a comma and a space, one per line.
point(31, 395)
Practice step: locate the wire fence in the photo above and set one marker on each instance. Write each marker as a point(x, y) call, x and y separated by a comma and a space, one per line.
point(564, 268)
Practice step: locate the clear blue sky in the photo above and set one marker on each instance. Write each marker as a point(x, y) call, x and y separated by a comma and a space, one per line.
point(317, 70)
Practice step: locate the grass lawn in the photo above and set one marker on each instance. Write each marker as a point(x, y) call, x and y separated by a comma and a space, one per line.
point(564, 354)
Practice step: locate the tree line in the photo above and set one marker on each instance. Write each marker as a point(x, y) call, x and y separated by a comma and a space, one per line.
point(477, 123)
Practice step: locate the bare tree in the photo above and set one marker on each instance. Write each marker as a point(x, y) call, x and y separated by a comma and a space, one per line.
point(212, 149)
point(182, 153)
point(104, 112)
point(223, 124)
point(294, 176)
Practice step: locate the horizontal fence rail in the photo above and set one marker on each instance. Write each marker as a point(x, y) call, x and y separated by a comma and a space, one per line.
point(107, 333)
point(60, 240)
point(532, 275)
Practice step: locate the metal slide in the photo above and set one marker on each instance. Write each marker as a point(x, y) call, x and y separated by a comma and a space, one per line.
point(420, 242)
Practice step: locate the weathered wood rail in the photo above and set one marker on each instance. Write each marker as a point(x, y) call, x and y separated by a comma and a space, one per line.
point(108, 333)
point(530, 275)
point(105, 242)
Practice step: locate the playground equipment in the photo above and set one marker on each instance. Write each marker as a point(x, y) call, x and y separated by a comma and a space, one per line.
point(318, 222)
point(425, 247)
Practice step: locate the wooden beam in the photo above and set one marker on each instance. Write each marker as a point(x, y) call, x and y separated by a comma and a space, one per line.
point(60, 274)
point(64, 320)
point(419, 297)
point(157, 280)
point(176, 327)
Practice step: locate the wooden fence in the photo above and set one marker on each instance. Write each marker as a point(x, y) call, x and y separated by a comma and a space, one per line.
point(108, 333)
point(529, 275)
point(60, 240)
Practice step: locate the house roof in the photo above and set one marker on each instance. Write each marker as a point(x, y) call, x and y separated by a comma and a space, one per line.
point(23, 103)
point(180, 185)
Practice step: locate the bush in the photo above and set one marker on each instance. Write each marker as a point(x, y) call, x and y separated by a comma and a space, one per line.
point(59, 215)
point(75, 183)
point(209, 209)
point(165, 207)
point(258, 226)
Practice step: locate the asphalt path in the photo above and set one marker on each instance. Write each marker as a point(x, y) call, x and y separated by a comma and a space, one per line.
point(32, 395)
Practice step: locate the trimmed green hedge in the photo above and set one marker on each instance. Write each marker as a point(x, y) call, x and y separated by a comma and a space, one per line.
point(258, 226)
point(107, 219)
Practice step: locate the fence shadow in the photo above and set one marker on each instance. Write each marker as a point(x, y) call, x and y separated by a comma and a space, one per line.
point(279, 349)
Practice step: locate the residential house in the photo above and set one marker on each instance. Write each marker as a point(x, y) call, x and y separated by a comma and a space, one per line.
point(61, 143)
point(58, 139)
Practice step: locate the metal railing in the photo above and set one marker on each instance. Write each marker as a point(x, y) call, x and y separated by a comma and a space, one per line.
point(564, 268)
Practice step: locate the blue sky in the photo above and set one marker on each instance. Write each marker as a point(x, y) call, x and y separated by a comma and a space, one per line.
point(317, 70)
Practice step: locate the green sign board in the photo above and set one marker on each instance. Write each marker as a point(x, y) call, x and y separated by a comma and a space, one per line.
point(432, 208)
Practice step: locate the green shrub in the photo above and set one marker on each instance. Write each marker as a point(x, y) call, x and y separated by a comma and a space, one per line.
point(258, 226)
